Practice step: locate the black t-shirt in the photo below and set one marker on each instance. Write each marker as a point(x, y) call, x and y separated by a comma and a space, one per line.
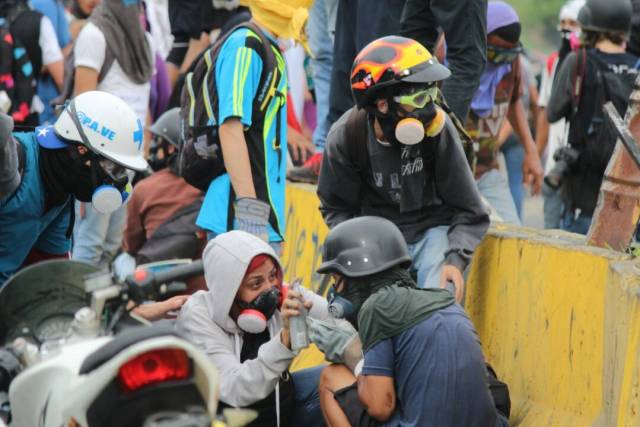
point(266, 408)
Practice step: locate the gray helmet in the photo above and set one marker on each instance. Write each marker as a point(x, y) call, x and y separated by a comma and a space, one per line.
point(364, 246)
point(606, 16)
point(167, 126)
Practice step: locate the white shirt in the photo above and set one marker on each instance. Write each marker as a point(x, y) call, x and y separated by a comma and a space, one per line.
point(158, 16)
point(558, 131)
point(48, 42)
point(89, 51)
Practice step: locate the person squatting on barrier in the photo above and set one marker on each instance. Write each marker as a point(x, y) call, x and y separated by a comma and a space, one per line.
point(398, 155)
point(242, 324)
point(422, 363)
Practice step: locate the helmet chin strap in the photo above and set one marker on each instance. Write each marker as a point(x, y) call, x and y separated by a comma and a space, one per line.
point(74, 118)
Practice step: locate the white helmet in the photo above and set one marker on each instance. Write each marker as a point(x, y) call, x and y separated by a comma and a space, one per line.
point(106, 125)
point(570, 10)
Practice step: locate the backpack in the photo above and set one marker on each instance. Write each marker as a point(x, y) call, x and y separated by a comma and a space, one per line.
point(590, 131)
point(178, 237)
point(18, 82)
point(200, 156)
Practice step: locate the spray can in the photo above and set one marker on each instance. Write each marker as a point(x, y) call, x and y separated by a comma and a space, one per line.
point(298, 325)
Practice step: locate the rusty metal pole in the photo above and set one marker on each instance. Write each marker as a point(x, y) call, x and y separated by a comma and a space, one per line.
point(618, 209)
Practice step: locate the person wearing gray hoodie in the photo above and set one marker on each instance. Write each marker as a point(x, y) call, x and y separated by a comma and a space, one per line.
point(242, 324)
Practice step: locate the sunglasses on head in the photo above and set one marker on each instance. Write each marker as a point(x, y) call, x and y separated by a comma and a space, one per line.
point(418, 97)
point(501, 55)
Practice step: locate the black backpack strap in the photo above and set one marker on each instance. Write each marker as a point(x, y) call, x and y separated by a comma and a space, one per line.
point(469, 146)
point(25, 26)
point(577, 78)
point(356, 133)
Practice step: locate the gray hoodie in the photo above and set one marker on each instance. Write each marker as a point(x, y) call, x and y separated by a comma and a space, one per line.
point(205, 321)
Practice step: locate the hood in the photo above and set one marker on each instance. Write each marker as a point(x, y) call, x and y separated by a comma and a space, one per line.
point(286, 19)
point(226, 258)
point(500, 14)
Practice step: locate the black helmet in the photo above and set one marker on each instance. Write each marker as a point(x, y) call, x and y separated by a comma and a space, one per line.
point(167, 126)
point(364, 246)
point(606, 16)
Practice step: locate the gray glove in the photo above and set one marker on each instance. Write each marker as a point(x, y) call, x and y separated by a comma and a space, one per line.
point(337, 339)
point(252, 216)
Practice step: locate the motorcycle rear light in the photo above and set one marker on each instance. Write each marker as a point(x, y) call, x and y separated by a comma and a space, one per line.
point(154, 367)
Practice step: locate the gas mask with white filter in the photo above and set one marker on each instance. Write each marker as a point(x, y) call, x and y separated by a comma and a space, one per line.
point(109, 181)
point(426, 119)
point(254, 315)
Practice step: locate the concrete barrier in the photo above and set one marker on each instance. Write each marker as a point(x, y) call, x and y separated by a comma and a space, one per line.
point(559, 321)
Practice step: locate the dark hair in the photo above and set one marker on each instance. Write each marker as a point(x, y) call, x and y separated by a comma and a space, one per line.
point(590, 38)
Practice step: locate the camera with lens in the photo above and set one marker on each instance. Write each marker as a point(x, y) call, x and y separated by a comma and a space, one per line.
point(566, 157)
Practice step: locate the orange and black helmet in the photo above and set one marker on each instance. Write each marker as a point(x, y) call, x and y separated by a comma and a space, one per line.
point(390, 61)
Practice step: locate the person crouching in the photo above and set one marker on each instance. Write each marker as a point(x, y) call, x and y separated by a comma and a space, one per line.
point(404, 356)
point(242, 324)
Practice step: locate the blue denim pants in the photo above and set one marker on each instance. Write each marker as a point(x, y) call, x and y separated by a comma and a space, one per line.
point(320, 27)
point(552, 207)
point(576, 223)
point(514, 156)
point(495, 189)
point(97, 237)
point(427, 256)
point(307, 412)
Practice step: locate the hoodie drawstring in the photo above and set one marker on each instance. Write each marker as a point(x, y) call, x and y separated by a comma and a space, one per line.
point(277, 386)
point(239, 350)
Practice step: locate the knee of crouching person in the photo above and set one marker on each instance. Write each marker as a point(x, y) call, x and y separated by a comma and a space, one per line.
point(335, 377)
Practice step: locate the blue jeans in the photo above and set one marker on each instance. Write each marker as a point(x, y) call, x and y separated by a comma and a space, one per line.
point(97, 237)
point(514, 156)
point(427, 256)
point(307, 409)
point(552, 206)
point(319, 28)
point(495, 189)
point(576, 223)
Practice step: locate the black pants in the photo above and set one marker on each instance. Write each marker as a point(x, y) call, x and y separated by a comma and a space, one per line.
point(358, 23)
point(464, 24)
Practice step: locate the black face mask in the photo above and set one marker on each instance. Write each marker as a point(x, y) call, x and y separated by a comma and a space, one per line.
point(156, 161)
point(83, 182)
point(389, 121)
point(64, 172)
point(266, 303)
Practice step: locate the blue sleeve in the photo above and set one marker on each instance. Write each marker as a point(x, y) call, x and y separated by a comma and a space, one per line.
point(238, 70)
point(64, 35)
point(53, 239)
point(56, 14)
point(379, 359)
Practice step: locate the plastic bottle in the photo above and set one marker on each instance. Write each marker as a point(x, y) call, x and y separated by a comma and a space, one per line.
point(298, 325)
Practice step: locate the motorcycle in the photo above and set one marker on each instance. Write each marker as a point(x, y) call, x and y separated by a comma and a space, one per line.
point(76, 354)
